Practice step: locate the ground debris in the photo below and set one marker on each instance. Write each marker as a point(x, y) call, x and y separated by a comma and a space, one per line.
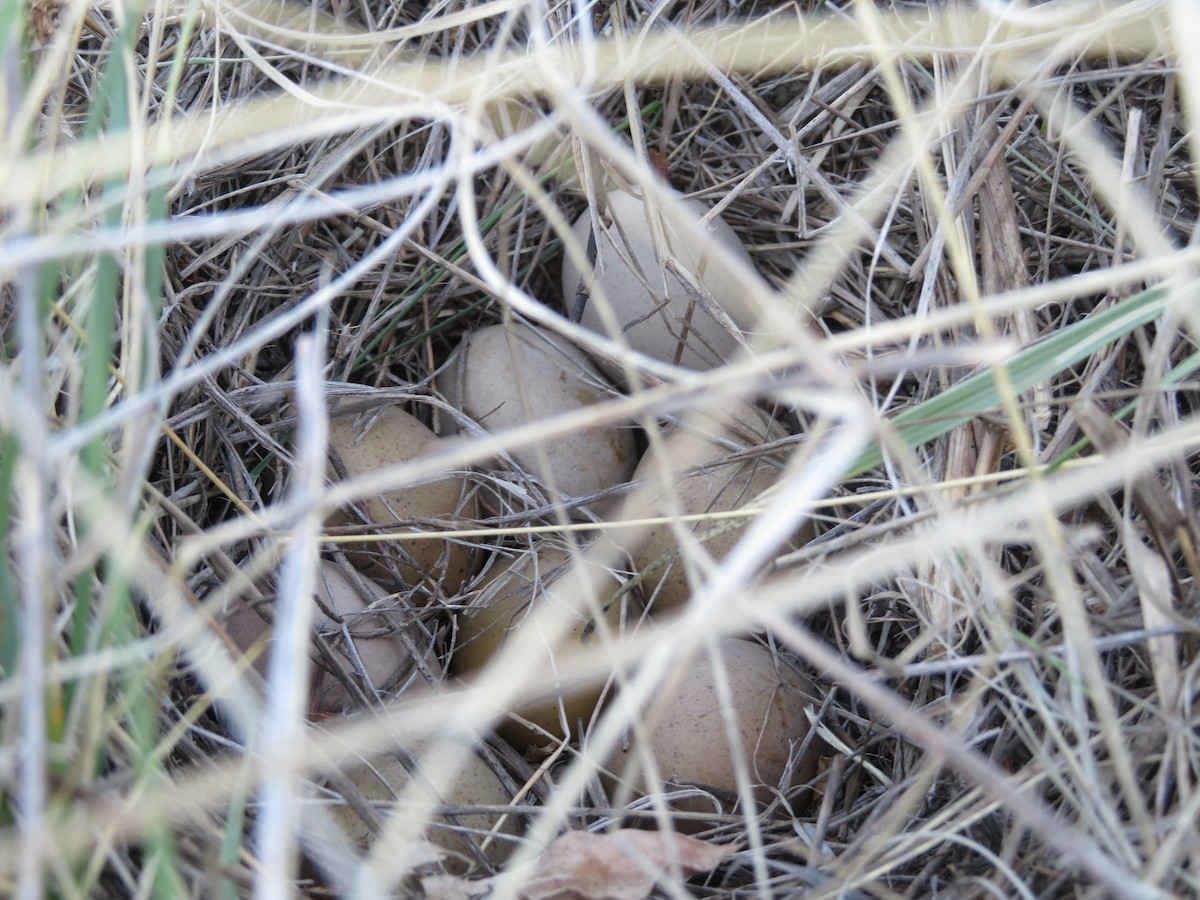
point(620, 865)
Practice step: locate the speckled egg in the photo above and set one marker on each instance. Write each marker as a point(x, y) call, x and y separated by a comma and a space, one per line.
point(715, 468)
point(375, 644)
point(655, 311)
point(507, 377)
point(373, 439)
point(384, 781)
point(684, 729)
point(375, 649)
point(509, 601)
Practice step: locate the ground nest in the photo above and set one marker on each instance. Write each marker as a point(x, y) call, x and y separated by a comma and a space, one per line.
point(895, 598)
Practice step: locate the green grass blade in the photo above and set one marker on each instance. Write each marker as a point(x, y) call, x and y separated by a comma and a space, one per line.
point(1032, 366)
point(10, 610)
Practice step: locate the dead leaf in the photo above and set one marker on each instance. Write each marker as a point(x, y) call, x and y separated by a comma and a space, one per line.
point(620, 865)
point(1154, 584)
point(451, 887)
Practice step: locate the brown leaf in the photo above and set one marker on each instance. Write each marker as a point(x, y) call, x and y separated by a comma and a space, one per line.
point(620, 865)
point(449, 887)
point(1155, 591)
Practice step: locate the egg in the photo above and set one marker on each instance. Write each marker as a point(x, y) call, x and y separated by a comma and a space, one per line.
point(706, 480)
point(373, 648)
point(507, 377)
point(684, 731)
point(655, 311)
point(374, 439)
point(509, 601)
point(378, 657)
point(384, 780)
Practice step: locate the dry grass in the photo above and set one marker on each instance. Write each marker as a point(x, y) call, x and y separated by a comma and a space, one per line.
point(211, 209)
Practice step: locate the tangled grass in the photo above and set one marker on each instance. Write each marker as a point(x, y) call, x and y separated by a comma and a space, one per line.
point(974, 234)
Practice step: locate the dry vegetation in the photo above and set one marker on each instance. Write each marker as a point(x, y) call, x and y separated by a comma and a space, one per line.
point(976, 235)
